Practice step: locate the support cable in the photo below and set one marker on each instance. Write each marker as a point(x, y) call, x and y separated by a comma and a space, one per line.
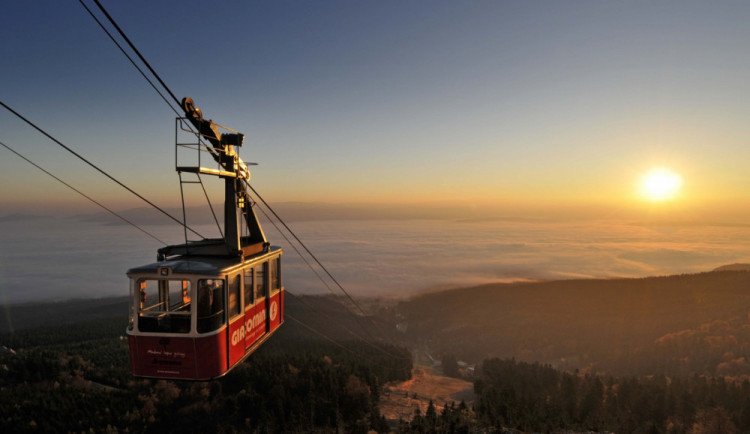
point(210, 206)
point(129, 58)
point(314, 257)
point(332, 319)
point(145, 62)
point(305, 247)
point(143, 74)
point(82, 194)
point(151, 83)
point(289, 242)
point(321, 334)
point(309, 265)
point(80, 157)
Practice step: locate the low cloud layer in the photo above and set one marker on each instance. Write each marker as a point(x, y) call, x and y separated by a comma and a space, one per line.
point(46, 259)
point(405, 257)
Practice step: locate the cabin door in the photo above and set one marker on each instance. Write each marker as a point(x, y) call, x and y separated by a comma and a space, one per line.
point(275, 301)
point(236, 335)
point(255, 312)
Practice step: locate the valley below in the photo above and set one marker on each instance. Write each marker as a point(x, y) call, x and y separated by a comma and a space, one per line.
point(622, 355)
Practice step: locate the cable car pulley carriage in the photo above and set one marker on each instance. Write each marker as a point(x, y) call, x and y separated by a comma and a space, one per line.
point(206, 305)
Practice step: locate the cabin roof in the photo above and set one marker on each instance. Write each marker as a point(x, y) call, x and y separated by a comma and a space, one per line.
point(202, 265)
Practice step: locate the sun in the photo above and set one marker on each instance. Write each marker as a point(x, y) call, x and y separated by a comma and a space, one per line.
point(660, 184)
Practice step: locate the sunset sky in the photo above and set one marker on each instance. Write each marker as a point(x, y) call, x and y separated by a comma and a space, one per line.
point(505, 103)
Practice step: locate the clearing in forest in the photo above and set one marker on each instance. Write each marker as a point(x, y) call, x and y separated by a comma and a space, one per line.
point(400, 399)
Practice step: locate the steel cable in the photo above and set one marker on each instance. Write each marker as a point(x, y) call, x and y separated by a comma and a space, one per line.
point(80, 157)
point(82, 194)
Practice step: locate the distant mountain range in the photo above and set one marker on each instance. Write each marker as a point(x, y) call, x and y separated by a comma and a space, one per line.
point(453, 210)
point(733, 267)
point(610, 324)
point(463, 211)
point(305, 211)
point(20, 217)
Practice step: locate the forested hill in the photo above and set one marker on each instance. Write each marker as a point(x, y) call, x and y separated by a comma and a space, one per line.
point(66, 369)
point(328, 315)
point(605, 323)
point(21, 316)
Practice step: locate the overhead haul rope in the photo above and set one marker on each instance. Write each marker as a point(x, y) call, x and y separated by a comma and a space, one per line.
point(309, 265)
point(125, 37)
point(129, 58)
point(309, 306)
point(82, 194)
point(138, 68)
point(153, 86)
point(305, 247)
point(80, 157)
point(176, 100)
point(323, 267)
point(332, 319)
point(321, 334)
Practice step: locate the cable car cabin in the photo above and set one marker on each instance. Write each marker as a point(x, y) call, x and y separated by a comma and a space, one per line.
point(195, 318)
point(206, 304)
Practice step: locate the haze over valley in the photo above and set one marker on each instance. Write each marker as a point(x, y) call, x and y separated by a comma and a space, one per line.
point(57, 258)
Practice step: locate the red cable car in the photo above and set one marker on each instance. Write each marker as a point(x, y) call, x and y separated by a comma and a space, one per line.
point(206, 305)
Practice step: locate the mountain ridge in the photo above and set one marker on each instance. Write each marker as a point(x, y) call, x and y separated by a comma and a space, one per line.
point(573, 323)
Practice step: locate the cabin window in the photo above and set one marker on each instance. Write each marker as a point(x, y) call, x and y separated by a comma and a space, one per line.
point(249, 290)
point(278, 272)
point(179, 295)
point(234, 301)
point(210, 305)
point(275, 274)
point(260, 277)
point(163, 305)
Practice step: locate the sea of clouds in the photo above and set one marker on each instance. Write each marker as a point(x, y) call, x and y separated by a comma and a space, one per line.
point(56, 259)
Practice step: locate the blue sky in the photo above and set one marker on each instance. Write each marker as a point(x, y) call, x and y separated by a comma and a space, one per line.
point(491, 102)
